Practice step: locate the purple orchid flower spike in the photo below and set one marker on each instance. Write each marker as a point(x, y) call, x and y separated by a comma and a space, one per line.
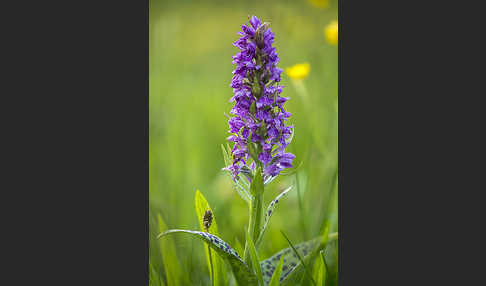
point(258, 127)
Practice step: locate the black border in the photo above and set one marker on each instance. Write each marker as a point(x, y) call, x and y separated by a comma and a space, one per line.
point(76, 103)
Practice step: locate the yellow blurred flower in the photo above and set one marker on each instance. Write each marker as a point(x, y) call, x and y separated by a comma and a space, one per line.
point(331, 33)
point(298, 71)
point(319, 3)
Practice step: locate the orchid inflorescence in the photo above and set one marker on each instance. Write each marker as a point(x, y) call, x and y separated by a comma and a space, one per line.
point(258, 127)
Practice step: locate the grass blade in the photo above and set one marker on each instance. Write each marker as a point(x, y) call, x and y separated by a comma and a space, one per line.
point(154, 277)
point(331, 256)
point(238, 246)
point(300, 258)
point(323, 270)
point(301, 207)
point(276, 274)
point(320, 267)
point(290, 277)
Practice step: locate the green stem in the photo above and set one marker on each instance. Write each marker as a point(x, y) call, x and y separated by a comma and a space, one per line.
point(257, 212)
point(211, 265)
point(255, 221)
point(254, 225)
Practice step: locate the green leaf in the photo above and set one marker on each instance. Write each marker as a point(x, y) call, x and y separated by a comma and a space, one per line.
point(254, 260)
point(238, 246)
point(322, 270)
point(325, 233)
point(331, 256)
point(154, 278)
point(277, 273)
point(268, 213)
point(241, 271)
point(315, 270)
point(202, 206)
point(307, 271)
point(290, 260)
point(299, 268)
point(320, 267)
point(170, 261)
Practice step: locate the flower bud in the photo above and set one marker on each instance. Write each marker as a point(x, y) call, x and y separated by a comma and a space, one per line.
point(260, 35)
point(256, 90)
point(253, 108)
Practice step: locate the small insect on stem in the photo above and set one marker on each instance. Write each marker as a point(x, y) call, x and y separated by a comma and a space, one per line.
point(207, 219)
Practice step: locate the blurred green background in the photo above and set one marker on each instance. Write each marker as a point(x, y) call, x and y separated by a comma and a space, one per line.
point(190, 73)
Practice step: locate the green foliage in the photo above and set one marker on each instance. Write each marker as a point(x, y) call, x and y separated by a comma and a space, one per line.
point(241, 271)
point(307, 271)
point(268, 213)
point(322, 273)
point(172, 268)
point(307, 260)
point(277, 273)
point(154, 278)
point(190, 50)
point(202, 206)
point(254, 260)
point(331, 256)
point(292, 266)
point(238, 246)
point(320, 266)
point(290, 260)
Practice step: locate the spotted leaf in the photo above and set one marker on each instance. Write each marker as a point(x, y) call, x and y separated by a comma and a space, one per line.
point(290, 259)
point(269, 212)
point(291, 277)
point(243, 275)
point(291, 264)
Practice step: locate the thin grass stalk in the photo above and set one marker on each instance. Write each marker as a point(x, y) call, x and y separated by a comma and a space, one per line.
point(211, 265)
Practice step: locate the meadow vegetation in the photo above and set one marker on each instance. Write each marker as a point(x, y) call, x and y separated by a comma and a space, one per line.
point(189, 90)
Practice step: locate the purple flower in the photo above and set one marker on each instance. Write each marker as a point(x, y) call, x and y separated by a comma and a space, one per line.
point(258, 127)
